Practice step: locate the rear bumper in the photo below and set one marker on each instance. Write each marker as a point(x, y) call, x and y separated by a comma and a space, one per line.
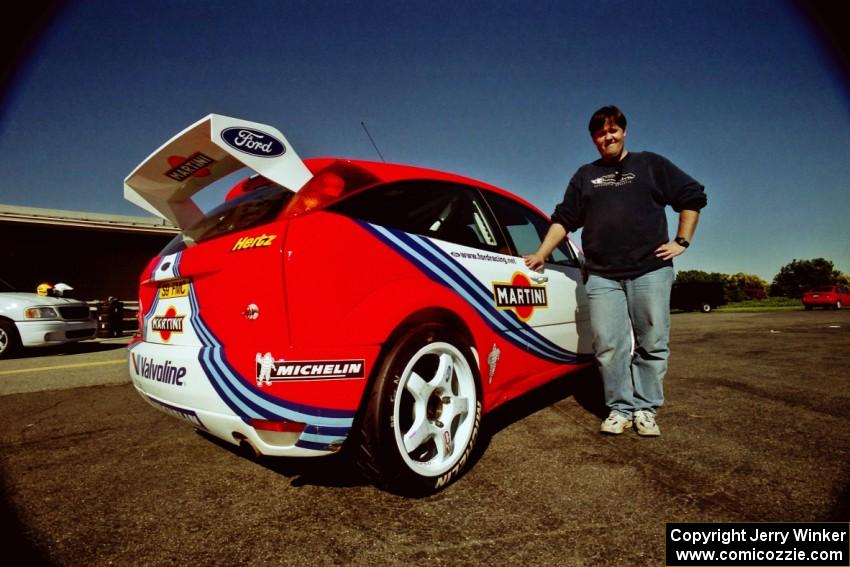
point(196, 385)
point(44, 333)
point(820, 301)
point(234, 430)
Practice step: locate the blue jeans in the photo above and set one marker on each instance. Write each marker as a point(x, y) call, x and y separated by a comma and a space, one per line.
point(633, 380)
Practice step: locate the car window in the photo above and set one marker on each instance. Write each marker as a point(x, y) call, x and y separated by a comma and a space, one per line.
point(262, 205)
point(447, 211)
point(526, 229)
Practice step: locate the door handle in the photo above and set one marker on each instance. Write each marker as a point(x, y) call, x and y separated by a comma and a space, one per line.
point(539, 278)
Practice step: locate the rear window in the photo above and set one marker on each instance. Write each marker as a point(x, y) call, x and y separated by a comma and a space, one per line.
point(260, 206)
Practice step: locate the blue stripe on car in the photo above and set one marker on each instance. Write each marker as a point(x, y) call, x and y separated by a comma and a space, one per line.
point(444, 269)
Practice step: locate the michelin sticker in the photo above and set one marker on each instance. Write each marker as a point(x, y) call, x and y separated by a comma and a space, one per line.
point(271, 370)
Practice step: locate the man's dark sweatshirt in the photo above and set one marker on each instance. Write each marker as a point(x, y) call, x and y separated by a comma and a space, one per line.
point(621, 208)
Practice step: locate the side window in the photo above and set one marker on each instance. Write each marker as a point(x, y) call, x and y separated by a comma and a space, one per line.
point(430, 208)
point(526, 229)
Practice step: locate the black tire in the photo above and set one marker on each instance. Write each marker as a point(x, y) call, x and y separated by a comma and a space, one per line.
point(808, 307)
point(441, 421)
point(705, 308)
point(10, 341)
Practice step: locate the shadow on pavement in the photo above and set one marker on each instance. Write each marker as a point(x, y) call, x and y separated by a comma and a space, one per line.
point(83, 347)
point(18, 542)
point(585, 386)
point(336, 470)
point(339, 470)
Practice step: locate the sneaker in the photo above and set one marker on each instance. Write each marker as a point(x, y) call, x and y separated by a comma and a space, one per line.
point(645, 424)
point(615, 424)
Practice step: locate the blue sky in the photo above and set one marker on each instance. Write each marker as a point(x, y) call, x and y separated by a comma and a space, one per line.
point(741, 95)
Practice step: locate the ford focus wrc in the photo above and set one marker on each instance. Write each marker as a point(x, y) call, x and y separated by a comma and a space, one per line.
point(331, 301)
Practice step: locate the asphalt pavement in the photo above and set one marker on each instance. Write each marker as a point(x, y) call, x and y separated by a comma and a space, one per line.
point(753, 430)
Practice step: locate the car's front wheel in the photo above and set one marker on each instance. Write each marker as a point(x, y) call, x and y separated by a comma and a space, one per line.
point(422, 418)
point(10, 342)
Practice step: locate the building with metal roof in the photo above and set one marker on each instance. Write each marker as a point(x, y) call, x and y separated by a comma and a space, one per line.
point(99, 255)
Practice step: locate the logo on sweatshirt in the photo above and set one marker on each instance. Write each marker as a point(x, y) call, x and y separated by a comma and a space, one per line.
point(613, 180)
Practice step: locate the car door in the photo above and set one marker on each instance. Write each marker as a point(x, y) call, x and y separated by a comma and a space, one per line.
point(564, 319)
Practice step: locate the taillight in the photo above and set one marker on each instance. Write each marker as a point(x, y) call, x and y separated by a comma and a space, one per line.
point(329, 185)
point(322, 190)
point(280, 426)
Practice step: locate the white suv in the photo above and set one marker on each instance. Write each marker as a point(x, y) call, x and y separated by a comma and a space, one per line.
point(32, 320)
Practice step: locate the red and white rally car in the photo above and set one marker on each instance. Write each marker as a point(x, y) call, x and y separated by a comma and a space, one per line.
point(329, 301)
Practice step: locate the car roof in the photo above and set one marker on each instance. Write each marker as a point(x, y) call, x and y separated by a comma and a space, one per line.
point(391, 172)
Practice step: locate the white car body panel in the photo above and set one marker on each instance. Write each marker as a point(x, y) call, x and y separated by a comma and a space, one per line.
point(43, 332)
point(210, 149)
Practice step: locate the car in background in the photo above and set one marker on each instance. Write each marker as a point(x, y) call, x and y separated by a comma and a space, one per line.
point(333, 302)
point(697, 296)
point(33, 320)
point(827, 296)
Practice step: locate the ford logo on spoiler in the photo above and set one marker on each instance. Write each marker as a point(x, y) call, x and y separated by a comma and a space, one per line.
point(253, 142)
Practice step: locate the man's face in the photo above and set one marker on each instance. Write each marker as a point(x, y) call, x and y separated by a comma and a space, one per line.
point(610, 141)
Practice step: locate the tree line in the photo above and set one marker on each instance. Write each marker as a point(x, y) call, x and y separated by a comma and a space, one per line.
point(792, 280)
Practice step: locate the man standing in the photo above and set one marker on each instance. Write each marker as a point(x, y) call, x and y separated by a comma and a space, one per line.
point(619, 201)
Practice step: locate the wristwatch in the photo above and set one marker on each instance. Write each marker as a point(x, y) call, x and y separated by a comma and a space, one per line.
point(681, 242)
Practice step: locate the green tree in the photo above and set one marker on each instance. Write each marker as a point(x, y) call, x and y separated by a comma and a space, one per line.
point(801, 275)
point(741, 287)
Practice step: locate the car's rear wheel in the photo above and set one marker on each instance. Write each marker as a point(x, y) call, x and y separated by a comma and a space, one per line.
point(705, 308)
point(10, 342)
point(838, 304)
point(422, 418)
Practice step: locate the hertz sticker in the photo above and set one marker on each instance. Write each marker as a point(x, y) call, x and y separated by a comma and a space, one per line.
point(253, 242)
point(520, 295)
point(173, 289)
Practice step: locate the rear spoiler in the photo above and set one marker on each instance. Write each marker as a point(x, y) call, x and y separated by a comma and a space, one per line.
point(203, 153)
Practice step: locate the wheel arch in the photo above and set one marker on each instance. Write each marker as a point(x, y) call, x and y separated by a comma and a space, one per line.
point(14, 337)
point(420, 317)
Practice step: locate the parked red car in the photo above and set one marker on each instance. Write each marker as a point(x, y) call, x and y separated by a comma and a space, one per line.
point(335, 301)
point(828, 296)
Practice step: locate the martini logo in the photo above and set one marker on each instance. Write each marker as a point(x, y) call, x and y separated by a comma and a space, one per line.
point(169, 323)
point(520, 296)
point(192, 166)
point(271, 370)
point(253, 142)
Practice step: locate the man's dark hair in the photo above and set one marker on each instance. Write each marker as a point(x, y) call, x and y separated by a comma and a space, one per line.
point(602, 115)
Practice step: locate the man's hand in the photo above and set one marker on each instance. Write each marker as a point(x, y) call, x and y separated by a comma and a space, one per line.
point(535, 261)
point(668, 251)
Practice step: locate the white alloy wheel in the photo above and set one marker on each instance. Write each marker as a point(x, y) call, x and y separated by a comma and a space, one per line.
point(435, 409)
